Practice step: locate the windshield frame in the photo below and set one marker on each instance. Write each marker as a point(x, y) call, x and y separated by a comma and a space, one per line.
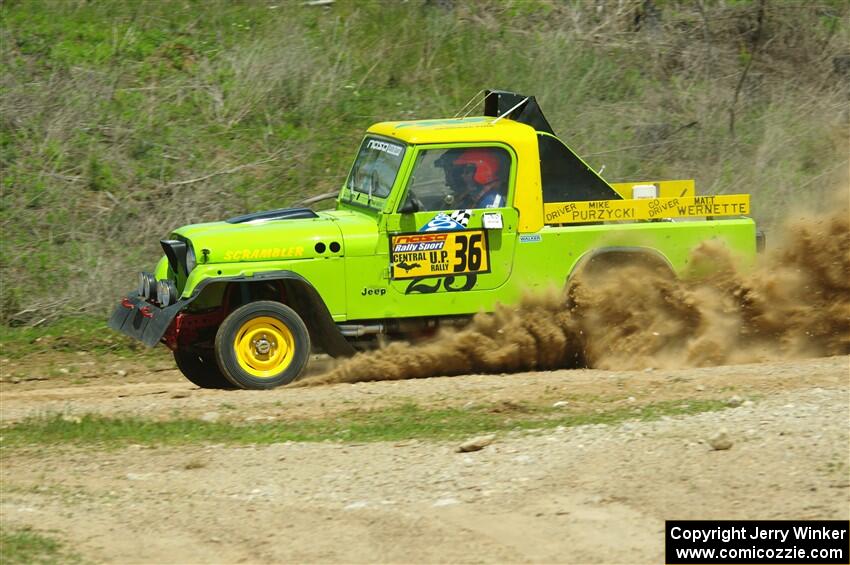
point(372, 147)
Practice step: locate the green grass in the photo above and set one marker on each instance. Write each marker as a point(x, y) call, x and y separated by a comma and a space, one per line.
point(25, 546)
point(399, 423)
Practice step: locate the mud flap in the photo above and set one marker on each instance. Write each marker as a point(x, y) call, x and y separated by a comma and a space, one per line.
point(139, 319)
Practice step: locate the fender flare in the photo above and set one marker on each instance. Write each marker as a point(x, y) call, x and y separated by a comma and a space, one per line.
point(302, 297)
point(630, 252)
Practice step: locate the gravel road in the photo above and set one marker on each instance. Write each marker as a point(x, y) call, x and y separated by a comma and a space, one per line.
point(595, 494)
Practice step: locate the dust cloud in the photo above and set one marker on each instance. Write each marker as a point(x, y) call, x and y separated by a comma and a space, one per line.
point(794, 303)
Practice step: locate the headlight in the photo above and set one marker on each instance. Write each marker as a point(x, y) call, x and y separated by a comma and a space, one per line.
point(147, 284)
point(166, 292)
point(191, 262)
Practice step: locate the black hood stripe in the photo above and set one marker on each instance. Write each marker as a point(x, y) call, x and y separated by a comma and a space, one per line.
point(281, 214)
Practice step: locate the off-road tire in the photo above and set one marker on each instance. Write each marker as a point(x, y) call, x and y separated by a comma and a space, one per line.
point(279, 327)
point(201, 370)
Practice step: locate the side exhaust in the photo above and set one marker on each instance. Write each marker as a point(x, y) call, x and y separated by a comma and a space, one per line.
point(351, 330)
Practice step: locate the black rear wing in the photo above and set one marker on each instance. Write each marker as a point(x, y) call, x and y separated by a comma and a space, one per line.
point(523, 109)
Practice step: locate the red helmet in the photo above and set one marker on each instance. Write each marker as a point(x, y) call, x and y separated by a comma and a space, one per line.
point(486, 164)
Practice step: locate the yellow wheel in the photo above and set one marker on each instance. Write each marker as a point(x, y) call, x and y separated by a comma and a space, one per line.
point(262, 345)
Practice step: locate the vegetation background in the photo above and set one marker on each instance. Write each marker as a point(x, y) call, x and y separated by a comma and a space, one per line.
point(122, 119)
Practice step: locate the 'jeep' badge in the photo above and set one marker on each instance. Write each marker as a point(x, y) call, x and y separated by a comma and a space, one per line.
point(373, 291)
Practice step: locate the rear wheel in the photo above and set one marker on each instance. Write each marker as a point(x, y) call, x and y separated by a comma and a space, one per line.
point(262, 345)
point(200, 369)
point(602, 267)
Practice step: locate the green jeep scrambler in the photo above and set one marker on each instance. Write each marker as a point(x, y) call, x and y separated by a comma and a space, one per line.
point(438, 220)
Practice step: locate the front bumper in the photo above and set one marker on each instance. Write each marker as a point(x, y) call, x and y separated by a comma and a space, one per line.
point(136, 317)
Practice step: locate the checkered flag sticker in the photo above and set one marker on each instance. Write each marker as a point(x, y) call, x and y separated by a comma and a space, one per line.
point(461, 216)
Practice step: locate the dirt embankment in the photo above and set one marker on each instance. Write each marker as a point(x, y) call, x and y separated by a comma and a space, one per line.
point(795, 304)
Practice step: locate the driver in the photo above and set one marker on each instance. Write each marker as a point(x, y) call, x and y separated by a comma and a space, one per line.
point(477, 178)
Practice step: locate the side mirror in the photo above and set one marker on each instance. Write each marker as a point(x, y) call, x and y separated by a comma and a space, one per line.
point(409, 207)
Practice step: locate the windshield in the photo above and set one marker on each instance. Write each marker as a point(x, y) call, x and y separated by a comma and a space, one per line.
point(376, 167)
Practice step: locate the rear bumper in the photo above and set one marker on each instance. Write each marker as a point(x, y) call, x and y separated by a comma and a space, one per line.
point(136, 317)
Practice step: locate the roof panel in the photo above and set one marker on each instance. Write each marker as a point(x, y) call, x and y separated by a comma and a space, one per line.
point(478, 128)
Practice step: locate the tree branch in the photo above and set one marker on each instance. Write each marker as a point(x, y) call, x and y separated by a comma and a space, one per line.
point(229, 171)
point(754, 44)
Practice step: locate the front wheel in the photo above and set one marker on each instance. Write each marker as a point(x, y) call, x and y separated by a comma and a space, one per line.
point(262, 345)
point(200, 369)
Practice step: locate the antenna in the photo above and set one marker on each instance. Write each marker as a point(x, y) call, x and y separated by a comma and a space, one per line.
point(474, 105)
point(470, 104)
point(520, 103)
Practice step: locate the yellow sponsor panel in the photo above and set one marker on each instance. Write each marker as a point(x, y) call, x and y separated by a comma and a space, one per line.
point(665, 188)
point(440, 254)
point(646, 209)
